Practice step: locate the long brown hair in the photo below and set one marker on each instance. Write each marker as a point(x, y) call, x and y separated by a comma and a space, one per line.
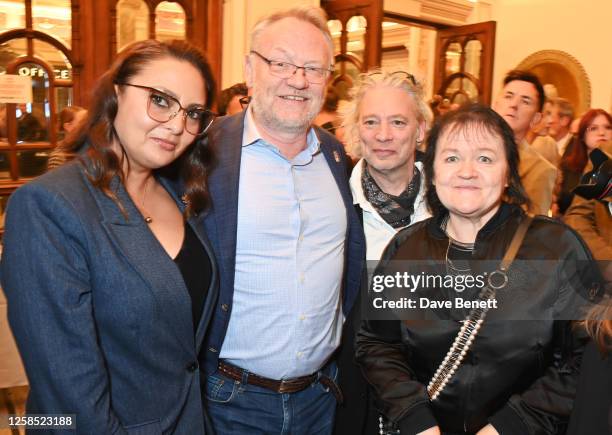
point(98, 132)
point(578, 156)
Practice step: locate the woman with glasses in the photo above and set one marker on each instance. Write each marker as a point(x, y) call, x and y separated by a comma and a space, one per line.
point(109, 277)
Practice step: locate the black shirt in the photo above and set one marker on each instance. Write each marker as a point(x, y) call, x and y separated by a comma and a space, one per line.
point(194, 264)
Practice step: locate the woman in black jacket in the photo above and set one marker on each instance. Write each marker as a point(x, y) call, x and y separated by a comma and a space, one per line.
point(500, 376)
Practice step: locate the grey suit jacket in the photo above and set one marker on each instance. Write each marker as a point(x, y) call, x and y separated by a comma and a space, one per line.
point(100, 312)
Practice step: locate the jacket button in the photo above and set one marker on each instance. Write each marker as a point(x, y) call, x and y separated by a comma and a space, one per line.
point(225, 307)
point(193, 366)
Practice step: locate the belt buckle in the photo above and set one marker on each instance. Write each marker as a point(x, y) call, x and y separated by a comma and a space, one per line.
point(286, 386)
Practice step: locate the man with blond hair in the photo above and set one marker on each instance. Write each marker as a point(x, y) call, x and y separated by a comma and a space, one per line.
point(287, 238)
point(385, 122)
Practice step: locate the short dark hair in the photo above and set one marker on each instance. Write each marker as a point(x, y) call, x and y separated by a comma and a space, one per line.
point(460, 120)
point(67, 114)
point(526, 76)
point(227, 94)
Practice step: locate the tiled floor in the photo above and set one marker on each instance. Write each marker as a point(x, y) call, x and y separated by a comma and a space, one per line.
point(12, 400)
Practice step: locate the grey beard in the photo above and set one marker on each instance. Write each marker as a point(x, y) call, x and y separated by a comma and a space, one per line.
point(268, 118)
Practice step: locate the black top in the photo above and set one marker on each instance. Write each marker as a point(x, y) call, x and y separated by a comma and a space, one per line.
point(592, 413)
point(194, 264)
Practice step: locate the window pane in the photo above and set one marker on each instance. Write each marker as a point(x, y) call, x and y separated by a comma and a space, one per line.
point(32, 163)
point(169, 21)
point(53, 17)
point(5, 172)
point(356, 27)
point(453, 58)
point(63, 98)
point(33, 119)
point(132, 22)
point(410, 48)
point(12, 14)
point(55, 58)
point(335, 28)
point(10, 50)
point(473, 51)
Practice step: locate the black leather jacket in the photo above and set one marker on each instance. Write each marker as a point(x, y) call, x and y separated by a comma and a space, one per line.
point(519, 375)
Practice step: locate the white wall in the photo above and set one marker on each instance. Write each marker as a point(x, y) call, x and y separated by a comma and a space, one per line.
point(578, 27)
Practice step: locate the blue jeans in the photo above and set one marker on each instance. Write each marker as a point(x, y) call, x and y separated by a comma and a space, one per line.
point(240, 408)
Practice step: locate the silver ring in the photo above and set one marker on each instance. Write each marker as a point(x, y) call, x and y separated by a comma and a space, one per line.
point(504, 277)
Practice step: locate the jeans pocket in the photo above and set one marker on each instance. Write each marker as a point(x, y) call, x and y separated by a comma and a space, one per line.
point(332, 374)
point(220, 390)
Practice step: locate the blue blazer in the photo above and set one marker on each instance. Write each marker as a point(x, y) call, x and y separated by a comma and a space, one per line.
point(221, 223)
point(100, 312)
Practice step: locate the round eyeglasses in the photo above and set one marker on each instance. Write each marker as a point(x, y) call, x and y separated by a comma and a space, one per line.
point(284, 70)
point(162, 107)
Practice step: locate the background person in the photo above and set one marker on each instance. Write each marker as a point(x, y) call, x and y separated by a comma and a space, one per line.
point(229, 99)
point(517, 377)
point(594, 131)
point(520, 103)
point(559, 116)
point(29, 127)
point(108, 274)
point(71, 118)
point(328, 117)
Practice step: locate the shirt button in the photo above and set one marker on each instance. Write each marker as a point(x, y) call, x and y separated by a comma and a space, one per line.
point(302, 317)
point(192, 367)
point(225, 307)
point(301, 238)
point(299, 354)
point(302, 278)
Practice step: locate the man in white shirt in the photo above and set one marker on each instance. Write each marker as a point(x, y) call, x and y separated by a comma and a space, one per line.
point(384, 123)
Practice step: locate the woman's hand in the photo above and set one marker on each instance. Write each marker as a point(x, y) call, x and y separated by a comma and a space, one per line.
point(487, 430)
point(432, 431)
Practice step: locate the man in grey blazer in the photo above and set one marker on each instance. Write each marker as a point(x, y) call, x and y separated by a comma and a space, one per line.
point(287, 238)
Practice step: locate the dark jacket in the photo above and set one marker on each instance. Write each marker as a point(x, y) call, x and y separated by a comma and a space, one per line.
point(518, 375)
point(100, 312)
point(221, 223)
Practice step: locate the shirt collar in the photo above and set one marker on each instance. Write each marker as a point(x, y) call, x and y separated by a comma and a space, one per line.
point(251, 135)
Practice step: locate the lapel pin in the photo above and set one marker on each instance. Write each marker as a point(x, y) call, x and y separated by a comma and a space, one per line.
point(336, 156)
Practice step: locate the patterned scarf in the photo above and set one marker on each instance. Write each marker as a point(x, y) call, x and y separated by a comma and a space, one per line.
point(395, 210)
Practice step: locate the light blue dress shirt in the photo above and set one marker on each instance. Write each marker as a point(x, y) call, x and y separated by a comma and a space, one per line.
point(286, 317)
